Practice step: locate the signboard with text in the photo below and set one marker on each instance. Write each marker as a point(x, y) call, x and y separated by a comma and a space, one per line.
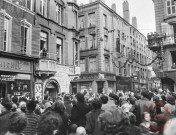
point(7, 64)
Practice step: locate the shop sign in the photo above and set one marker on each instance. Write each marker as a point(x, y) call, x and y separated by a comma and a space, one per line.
point(7, 77)
point(110, 77)
point(14, 65)
point(87, 77)
point(23, 77)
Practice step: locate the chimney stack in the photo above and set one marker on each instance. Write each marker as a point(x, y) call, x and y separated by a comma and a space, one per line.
point(126, 11)
point(134, 22)
point(113, 6)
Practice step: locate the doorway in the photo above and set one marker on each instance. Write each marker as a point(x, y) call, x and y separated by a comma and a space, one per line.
point(100, 85)
point(2, 90)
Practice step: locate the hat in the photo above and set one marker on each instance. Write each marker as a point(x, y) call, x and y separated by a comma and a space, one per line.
point(7, 105)
point(67, 97)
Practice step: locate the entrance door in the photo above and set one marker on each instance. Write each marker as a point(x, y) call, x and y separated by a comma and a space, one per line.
point(2, 90)
point(100, 86)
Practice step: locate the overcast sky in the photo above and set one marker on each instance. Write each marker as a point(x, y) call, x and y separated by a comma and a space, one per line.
point(142, 9)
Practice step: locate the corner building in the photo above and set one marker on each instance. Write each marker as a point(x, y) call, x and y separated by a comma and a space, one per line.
point(165, 16)
point(104, 36)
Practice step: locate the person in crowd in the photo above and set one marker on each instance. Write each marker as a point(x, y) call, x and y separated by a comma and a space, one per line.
point(170, 105)
point(49, 124)
point(59, 108)
point(33, 119)
point(134, 130)
point(104, 100)
point(14, 104)
point(92, 123)
point(114, 122)
point(79, 111)
point(17, 123)
point(169, 128)
point(72, 129)
point(81, 131)
point(4, 117)
point(68, 105)
point(143, 105)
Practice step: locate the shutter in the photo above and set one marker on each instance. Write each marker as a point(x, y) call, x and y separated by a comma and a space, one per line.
point(1, 31)
point(36, 41)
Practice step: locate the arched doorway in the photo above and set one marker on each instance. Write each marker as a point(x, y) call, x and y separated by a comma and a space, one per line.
point(52, 88)
point(168, 83)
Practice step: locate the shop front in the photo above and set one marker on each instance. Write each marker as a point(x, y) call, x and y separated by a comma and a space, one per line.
point(94, 83)
point(15, 77)
point(125, 83)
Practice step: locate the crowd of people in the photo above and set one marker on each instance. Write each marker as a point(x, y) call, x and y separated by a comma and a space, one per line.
point(142, 112)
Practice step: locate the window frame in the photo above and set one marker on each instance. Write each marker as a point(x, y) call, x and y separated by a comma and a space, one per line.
point(170, 7)
point(43, 11)
point(91, 19)
point(105, 20)
point(9, 30)
point(92, 64)
point(60, 50)
point(27, 25)
point(59, 6)
point(83, 64)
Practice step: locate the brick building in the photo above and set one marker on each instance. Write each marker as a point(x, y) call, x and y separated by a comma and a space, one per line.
point(43, 35)
point(105, 36)
point(165, 16)
point(17, 49)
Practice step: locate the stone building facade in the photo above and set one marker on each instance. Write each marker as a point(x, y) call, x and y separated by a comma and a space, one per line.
point(106, 40)
point(165, 16)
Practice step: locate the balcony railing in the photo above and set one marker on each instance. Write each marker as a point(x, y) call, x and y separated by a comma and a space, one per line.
point(45, 55)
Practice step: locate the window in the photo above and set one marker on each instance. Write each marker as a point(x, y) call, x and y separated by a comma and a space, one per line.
point(91, 42)
point(5, 31)
point(81, 22)
point(76, 54)
point(82, 43)
point(91, 19)
point(106, 42)
point(25, 3)
point(59, 50)
point(59, 14)
point(170, 7)
point(43, 7)
point(107, 66)
point(26, 37)
point(92, 64)
point(105, 20)
point(82, 65)
point(43, 44)
point(76, 19)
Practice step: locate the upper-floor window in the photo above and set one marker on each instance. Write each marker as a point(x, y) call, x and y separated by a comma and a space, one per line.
point(59, 14)
point(170, 7)
point(26, 37)
point(43, 7)
point(5, 31)
point(91, 19)
point(76, 52)
point(106, 42)
point(91, 42)
point(59, 50)
point(92, 64)
point(81, 22)
point(107, 64)
point(25, 3)
point(76, 19)
point(82, 65)
point(43, 44)
point(105, 20)
point(82, 43)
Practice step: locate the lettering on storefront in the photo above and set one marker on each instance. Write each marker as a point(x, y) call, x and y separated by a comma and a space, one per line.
point(14, 65)
point(7, 77)
point(110, 77)
point(87, 77)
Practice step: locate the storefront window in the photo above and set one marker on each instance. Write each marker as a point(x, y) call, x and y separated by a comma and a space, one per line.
point(87, 86)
